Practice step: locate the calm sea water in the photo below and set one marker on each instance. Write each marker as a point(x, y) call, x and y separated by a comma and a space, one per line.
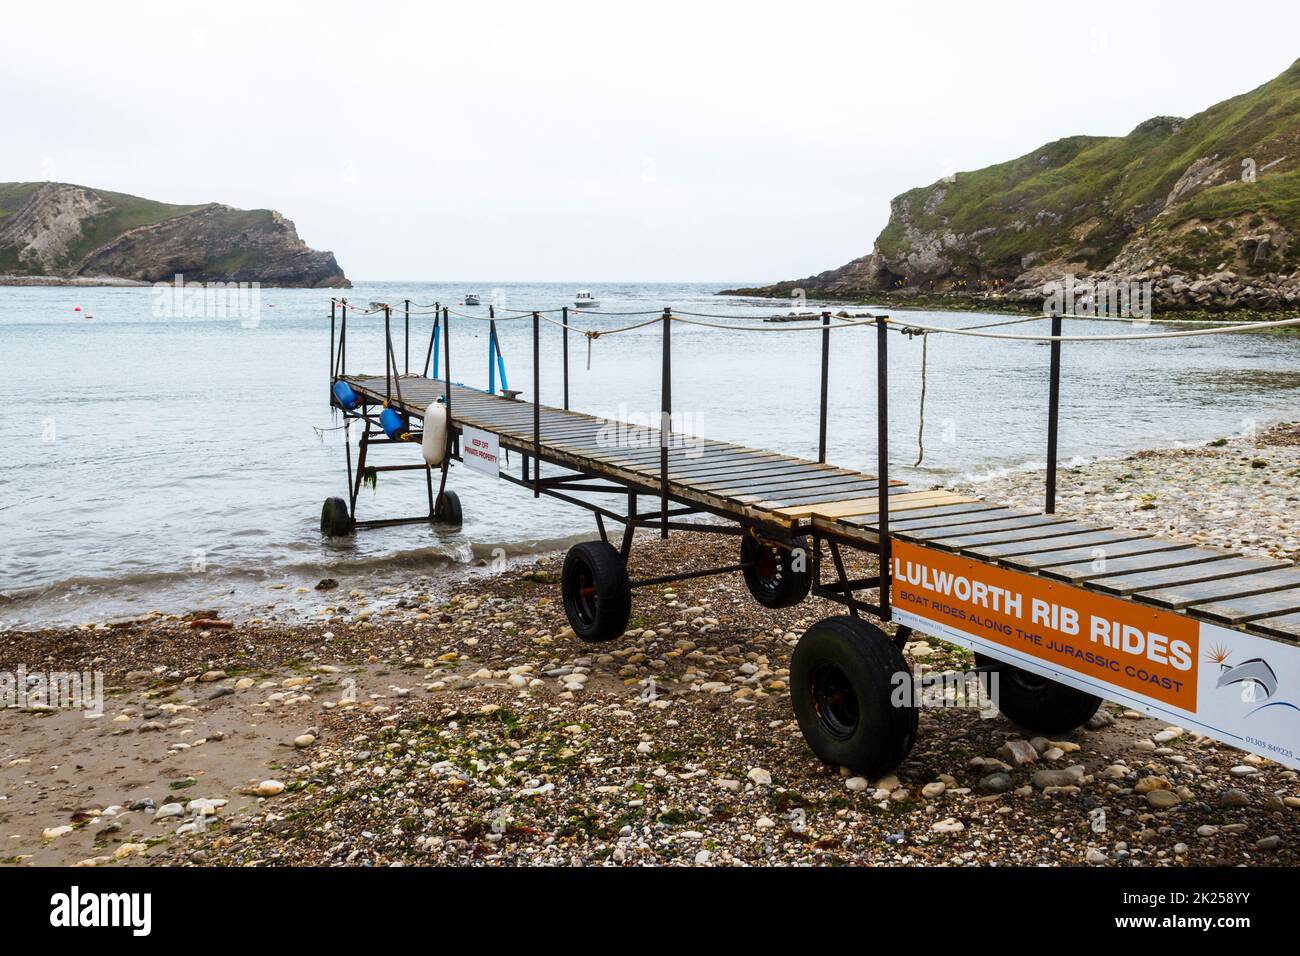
point(177, 463)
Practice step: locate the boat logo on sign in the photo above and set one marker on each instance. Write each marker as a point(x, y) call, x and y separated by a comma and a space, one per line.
point(1256, 678)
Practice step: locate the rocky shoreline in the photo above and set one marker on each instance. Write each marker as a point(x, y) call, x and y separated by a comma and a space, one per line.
point(468, 726)
point(85, 281)
point(1172, 294)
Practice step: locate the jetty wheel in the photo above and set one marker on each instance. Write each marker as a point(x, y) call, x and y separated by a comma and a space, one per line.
point(596, 590)
point(1037, 703)
point(776, 574)
point(335, 520)
point(852, 695)
point(447, 510)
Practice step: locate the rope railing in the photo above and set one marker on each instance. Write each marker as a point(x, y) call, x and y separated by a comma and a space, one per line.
point(912, 328)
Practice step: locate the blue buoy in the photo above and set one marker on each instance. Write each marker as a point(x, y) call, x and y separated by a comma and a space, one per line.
point(346, 397)
point(393, 424)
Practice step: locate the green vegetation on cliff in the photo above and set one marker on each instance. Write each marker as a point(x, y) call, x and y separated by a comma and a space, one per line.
point(66, 231)
point(1215, 194)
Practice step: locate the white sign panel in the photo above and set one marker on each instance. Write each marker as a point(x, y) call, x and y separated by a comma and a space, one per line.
point(1238, 688)
point(481, 451)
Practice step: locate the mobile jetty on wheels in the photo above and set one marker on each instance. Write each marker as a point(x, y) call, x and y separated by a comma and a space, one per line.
point(1061, 612)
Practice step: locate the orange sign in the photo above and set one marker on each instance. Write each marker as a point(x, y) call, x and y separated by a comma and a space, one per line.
point(1128, 645)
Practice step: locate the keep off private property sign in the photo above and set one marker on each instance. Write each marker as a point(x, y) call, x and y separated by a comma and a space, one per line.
point(481, 451)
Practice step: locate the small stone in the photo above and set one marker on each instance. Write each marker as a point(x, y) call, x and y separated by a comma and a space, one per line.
point(269, 788)
point(53, 833)
point(950, 825)
point(1070, 776)
point(1168, 734)
point(1268, 843)
point(1147, 784)
point(1244, 770)
point(1234, 798)
point(1019, 752)
point(1163, 799)
point(207, 677)
point(1095, 856)
point(168, 810)
point(932, 790)
point(995, 783)
point(765, 823)
point(1206, 830)
point(303, 740)
point(760, 776)
point(857, 784)
point(1099, 720)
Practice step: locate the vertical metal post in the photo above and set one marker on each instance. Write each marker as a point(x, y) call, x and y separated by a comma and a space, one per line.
point(333, 309)
point(1053, 413)
point(433, 341)
point(665, 422)
point(446, 344)
point(537, 406)
point(492, 349)
point(826, 369)
point(882, 461)
point(407, 366)
point(389, 370)
point(343, 341)
point(566, 357)
point(446, 459)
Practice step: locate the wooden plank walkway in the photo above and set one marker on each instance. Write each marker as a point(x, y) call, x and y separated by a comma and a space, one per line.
point(1259, 596)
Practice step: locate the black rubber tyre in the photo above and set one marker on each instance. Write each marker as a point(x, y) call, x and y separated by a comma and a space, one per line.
point(335, 522)
point(844, 681)
point(770, 572)
point(597, 595)
point(447, 510)
point(1037, 703)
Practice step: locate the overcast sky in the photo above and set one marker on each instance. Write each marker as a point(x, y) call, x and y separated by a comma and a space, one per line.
point(593, 142)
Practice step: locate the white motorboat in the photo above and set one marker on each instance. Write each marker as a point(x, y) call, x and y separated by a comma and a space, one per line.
point(585, 300)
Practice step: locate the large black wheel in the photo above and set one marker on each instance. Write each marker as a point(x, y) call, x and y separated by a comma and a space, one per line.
point(597, 595)
point(1037, 703)
point(777, 577)
point(852, 695)
point(447, 510)
point(335, 521)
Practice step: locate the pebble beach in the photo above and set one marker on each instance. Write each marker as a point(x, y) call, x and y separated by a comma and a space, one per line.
point(429, 723)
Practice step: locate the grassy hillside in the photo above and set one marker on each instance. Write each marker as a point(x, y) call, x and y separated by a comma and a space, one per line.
point(123, 213)
point(1082, 198)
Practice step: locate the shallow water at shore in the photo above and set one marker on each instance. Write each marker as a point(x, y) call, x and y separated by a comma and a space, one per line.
point(173, 463)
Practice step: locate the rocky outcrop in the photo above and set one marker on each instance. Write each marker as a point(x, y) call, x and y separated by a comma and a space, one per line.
point(1205, 209)
point(58, 231)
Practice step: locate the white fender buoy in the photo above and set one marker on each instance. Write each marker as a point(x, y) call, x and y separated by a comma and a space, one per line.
point(434, 444)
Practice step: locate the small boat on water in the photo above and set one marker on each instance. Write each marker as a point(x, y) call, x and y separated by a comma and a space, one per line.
point(471, 298)
point(585, 300)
